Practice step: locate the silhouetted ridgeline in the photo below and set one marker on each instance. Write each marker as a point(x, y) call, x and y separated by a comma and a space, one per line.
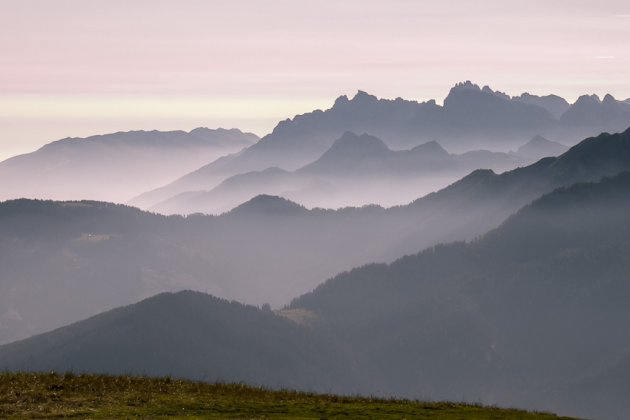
point(472, 118)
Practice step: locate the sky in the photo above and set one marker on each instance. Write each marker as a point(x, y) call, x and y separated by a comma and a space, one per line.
point(71, 68)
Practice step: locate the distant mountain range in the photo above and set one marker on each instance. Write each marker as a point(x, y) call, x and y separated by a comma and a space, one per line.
point(145, 169)
point(265, 250)
point(356, 170)
point(531, 314)
point(471, 118)
point(114, 167)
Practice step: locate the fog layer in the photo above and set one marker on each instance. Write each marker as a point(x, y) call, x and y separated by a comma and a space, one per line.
point(531, 314)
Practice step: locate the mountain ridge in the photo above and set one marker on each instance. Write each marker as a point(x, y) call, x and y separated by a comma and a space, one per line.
point(253, 256)
point(471, 118)
point(350, 173)
point(83, 168)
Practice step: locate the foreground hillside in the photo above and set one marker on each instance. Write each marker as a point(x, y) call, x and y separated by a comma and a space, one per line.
point(190, 335)
point(44, 395)
point(530, 314)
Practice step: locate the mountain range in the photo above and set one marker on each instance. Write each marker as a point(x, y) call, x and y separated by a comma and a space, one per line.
point(493, 272)
point(114, 167)
point(471, 118)
point(530, 314)
point(146, 169)
point(356, 170)
point(266, 250)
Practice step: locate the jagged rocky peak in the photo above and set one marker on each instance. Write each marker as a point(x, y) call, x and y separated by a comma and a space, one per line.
point(465, 93)
point(503, 95)
point(470, 86)
point(364, 97)
point(588, 99)
point(467, 85)
point(340, 101)
point(360, 98)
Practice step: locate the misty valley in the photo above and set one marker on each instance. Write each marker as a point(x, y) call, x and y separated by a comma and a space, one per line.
point(476, 251)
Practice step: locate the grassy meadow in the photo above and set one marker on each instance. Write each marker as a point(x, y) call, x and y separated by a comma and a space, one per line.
point(52, 395)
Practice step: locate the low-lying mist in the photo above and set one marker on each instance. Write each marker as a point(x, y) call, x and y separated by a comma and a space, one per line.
point(61, 261)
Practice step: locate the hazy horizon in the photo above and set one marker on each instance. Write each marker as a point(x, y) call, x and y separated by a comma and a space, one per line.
point(394, 199)
point(73, 69)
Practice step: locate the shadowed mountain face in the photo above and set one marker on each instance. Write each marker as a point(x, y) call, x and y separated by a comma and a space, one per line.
point(480, 201)
point(114, 167)
point(356, 170)
point(191, 335)
point(529, 315)
point(267, 250)
point(471, 118)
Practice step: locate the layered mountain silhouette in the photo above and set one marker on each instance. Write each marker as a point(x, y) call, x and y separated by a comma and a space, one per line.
point(267, 250)
point(539, 147)
point(356, 170)
point(489, 197)
point(114, 167)
point(471, 118)
point(531, 314)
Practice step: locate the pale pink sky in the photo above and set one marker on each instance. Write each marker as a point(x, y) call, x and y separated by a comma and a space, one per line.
point(77, 67)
